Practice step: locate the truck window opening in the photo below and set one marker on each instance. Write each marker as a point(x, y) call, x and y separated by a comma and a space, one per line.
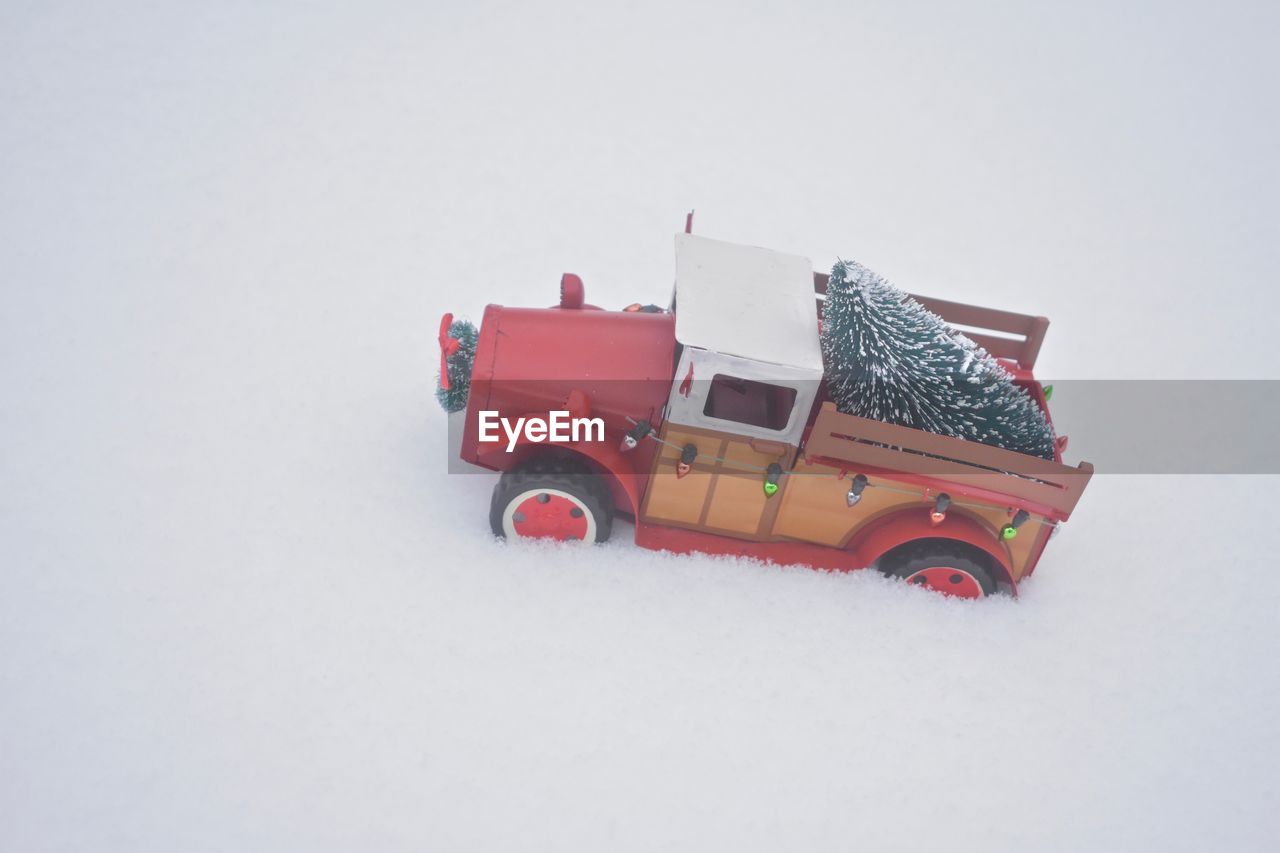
point(746, 401)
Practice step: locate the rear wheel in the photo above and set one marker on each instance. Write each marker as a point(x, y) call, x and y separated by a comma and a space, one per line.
point(552, 498)
point(950, 568)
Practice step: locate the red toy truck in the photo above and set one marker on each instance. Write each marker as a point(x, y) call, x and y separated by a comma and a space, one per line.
point(708, 424)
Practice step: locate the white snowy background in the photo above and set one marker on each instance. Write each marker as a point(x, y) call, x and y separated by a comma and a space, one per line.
point(243, 607)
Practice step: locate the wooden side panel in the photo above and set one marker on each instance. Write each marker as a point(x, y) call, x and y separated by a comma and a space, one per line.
point(672, 498)
point(680, 499)
point(741, 458)
point(724, 490)
point(737, 504)
point(727, 500)
point(814, 507)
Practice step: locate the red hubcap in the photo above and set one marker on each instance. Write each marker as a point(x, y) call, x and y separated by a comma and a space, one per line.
point(947, 581)
point(547, 516)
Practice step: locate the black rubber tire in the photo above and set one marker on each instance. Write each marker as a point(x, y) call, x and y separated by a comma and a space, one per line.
point(561, 474)
point(912, 557)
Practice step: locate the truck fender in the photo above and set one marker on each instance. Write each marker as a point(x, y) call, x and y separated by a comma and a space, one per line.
point(909, 525)
point(624, 483)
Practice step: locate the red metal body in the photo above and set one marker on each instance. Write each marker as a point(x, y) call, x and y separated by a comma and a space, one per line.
point(533, 360)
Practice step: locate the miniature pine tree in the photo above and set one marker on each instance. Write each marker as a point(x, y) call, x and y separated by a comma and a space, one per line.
point(454, 398)
point(889, 359)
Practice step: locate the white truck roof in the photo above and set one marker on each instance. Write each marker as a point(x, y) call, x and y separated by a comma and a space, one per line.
point(747, 302)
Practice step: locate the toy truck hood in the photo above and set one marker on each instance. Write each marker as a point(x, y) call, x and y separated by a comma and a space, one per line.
point(531, 359)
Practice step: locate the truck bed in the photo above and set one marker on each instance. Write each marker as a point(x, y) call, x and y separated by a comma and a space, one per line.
point(987, 473)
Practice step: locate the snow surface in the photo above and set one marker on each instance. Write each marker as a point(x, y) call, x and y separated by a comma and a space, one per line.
point(243, 607)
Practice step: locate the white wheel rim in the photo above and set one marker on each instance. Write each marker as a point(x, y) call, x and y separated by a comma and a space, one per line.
point(509, 521)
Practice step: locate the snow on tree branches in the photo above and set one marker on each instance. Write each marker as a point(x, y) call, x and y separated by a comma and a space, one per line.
point(889, 359)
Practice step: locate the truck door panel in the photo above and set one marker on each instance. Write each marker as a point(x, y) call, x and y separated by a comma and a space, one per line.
point(679, 499)
point(737, 503)
point(724, 490)
point(721, 405)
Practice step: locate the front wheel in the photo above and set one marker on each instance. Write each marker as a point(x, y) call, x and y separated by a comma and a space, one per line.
point(942, 566)
point(551, 499)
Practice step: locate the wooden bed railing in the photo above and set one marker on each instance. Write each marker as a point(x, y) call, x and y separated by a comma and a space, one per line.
point(851, 442)
point(1019, 335)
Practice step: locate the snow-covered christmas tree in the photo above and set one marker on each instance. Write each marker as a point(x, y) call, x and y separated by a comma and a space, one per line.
point(890, 359)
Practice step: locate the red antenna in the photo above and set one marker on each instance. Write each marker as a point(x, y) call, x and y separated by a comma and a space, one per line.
point(688, 223)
